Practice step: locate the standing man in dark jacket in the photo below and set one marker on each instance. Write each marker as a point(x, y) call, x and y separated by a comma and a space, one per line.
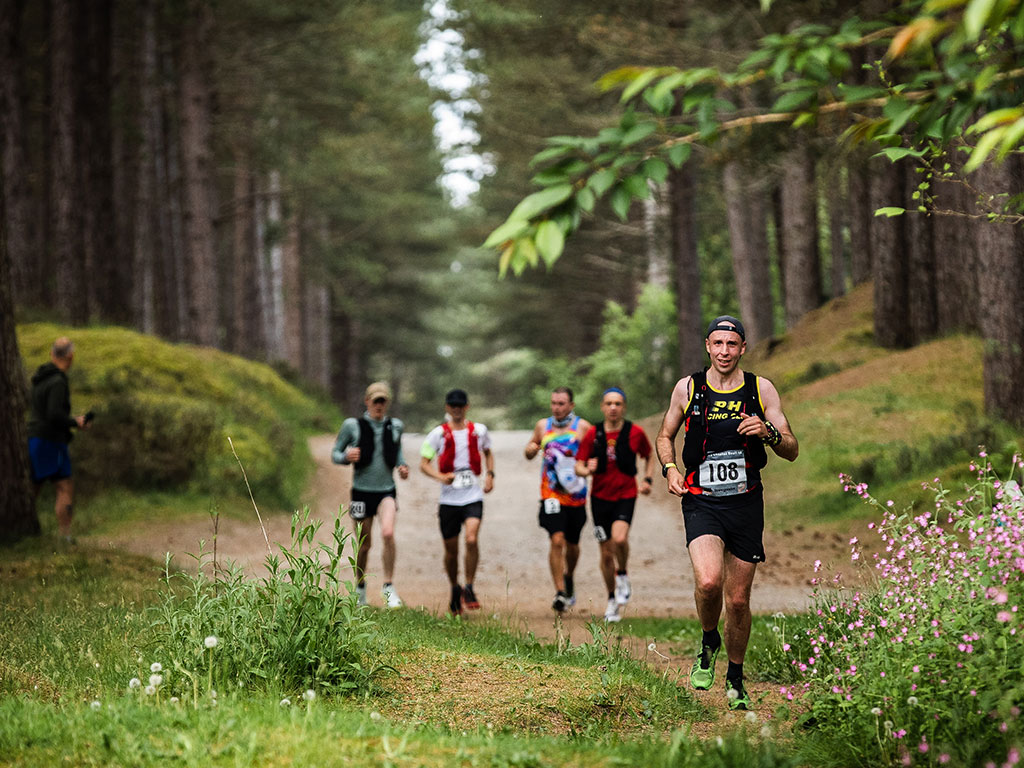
point(49, 430)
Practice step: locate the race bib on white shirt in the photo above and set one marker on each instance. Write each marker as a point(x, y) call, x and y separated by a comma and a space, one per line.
point(724, 473)
point(552, 506)
point(464, 478)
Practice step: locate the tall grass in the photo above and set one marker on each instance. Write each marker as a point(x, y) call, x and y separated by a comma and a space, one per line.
point(296, 628)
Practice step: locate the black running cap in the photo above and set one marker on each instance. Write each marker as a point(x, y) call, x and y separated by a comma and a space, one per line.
point(456, 397)
point(718, 324)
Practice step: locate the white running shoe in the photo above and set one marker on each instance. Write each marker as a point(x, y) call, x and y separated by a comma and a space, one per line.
point(623, 589)
point(611, 613)
point(390, 596)
point(361, 595)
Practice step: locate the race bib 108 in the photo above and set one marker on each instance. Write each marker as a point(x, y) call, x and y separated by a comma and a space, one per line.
point(724, 473)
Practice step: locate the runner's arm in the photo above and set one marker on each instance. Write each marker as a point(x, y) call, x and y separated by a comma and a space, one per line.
point(347, 437)
point(788, 448)
point(665, 442)
point(489, 476)
point(533, 447)
point(648, 480)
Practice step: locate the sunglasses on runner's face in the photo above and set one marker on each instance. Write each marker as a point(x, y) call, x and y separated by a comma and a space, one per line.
point(379, 400)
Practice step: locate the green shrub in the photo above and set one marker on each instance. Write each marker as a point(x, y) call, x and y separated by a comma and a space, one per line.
point(296, 628)
point(164, 412)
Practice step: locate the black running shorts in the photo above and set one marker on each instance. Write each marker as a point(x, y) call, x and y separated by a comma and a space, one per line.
point(607, 512)
point(739, 523)
point(365, 503)
point(453, 517)
point(567, 519)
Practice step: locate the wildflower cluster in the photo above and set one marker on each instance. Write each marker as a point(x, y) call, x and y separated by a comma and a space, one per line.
point(921, 668)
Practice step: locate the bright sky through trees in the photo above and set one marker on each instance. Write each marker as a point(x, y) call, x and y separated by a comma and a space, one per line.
point(443, 64)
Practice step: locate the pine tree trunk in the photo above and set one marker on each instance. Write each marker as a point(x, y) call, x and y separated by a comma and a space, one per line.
point(292, 292)
point(656, 238)
point(124, 66)
point(145, 229)
point(244, 289)
point(275, 274)
point(65, 190)
point(95, 161)
point(682, 190)
point(1001, 290)
point(16, 224)
point(746, 207)
point(838, 205)
point(197, 172)
point(18, 516)
point(956, 256)
point(317, 339)
point(889, 253)
point(920, 264)
point(800, 237)
point(861, 217)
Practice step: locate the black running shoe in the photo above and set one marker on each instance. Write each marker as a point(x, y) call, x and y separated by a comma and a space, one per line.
point(469, 599)
point(455, 606)
point(561, 602)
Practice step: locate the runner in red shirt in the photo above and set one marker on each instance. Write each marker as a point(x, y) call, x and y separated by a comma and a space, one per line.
point(611, 461)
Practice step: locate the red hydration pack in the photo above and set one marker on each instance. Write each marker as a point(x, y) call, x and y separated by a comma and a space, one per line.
point(446, 461)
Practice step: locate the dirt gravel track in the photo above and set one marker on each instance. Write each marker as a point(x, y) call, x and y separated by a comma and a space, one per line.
point(513, 579)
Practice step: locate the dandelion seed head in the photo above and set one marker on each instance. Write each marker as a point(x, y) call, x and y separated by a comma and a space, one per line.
point(211, 641)
point(150, 690)
point(750, 717)
point(156, 666)
point(135, 683)
point(375, 715)
point(309, 695)
point(95, 705)
point(155, 680)
point(174, 700)
point(286, 702)
point(876, 711)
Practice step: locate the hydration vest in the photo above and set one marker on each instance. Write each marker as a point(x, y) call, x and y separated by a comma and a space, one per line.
point(446, 461)
point(695, 445)
point(625, 458)
point(366, 444)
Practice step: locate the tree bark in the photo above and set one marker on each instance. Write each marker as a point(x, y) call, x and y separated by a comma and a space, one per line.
point(956, 255)
point(655, 210)
point(145, 223)
point(245, 304)
point(682, 190)
point(800, 237)
point(861, 217)
point(889, 253)
point(124, 72)
point(16, 197)
point(95, 161)
point(197, 167)
point(921, 306)
point(292, 292)
point(746, 206)
point(1001, 290)
point(65, 189)
point(837, 209)
point(18, 516)
point(275, 270)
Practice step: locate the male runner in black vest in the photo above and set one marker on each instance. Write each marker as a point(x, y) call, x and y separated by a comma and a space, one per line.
point(728, 417)
point(373, 445)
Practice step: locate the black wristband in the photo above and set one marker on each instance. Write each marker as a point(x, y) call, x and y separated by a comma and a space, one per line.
point(774, 437)
point(649, 480)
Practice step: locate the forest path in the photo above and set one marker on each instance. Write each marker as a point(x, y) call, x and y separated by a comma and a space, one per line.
point(513, 581)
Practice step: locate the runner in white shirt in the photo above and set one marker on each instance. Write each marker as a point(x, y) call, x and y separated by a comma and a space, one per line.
point(463, 453)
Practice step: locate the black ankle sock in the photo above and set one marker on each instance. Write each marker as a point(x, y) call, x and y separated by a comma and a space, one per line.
point(620, 573)
point(712, 639)
point(734, 674)
point(568, 584)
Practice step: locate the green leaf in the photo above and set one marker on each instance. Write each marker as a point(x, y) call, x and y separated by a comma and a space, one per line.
point(641, 82)
point(860, 92)
point(679, 154)
point(898, 153)
point(667, 85)
point(510, 230)
point(620, 200)
point(976, 17)
point(788, 102)
point(1011, 142)
point(506, 259)
point(994, 118)
point(638, 132)
point(803, 119)
point(656, 170)
point(548, 154)
point(586, 199)
point(550, 242)
point(637, 186)
point(601, 181)
point(541, 201)
point(984, 147)
point(890, 211)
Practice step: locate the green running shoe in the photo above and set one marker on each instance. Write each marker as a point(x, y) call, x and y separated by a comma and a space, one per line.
point(702, 675)
point(737, 695)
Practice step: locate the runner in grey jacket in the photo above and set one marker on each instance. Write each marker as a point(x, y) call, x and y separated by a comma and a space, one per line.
point(372, 444)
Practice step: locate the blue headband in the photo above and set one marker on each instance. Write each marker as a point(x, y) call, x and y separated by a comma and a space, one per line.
point(614, 389)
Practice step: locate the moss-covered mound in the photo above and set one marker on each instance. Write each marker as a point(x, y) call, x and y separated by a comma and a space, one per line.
point(164, 413)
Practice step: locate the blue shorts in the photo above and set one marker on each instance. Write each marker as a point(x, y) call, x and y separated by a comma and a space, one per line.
point(50, 460)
